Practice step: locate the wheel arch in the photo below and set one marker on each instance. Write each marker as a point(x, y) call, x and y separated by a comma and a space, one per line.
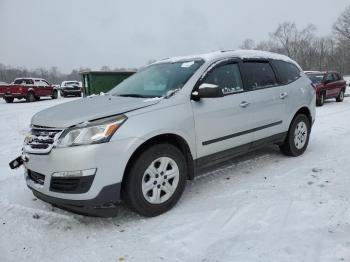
point(305, 111)
point(167, 138)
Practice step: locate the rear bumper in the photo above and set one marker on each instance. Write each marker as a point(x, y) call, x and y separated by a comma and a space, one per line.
point(14, 95)
point(71, 92)
point(101, 205)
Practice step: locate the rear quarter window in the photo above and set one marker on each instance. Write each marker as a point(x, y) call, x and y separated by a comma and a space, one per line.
point(286, 72)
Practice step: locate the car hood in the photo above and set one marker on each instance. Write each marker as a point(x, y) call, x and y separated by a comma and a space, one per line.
point(86, 109)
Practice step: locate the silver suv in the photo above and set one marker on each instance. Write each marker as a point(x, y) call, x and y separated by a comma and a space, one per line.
point(141, 141)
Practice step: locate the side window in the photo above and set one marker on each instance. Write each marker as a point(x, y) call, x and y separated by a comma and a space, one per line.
point(259, 75)
point(227, 77)
point(329, 78)
point(336, 77)
point(37, 82)
point(29, 82)
point(44, 83)
point(286, 72)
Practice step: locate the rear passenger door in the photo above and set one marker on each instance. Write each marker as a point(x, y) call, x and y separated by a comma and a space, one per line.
point(46, 88)
point(38, 88)
point(330, 85)
point(339, 83)
point(267, 99)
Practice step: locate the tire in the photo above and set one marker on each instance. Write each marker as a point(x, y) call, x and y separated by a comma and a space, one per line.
point(9, 99)
point(320, 101)
point(340, 97)
point(30, 97)
point(296, 142)
point(54, 95)
point(147, 201)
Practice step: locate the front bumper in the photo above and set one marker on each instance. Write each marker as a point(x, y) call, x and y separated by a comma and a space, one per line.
point(101, 205)
point(109, 160)
point(10, 95)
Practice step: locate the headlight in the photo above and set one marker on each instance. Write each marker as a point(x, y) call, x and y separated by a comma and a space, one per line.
point(98, 131)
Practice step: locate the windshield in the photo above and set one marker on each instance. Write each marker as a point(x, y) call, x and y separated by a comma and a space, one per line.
point(71, 83)
point(315, 78)
point(157, 80)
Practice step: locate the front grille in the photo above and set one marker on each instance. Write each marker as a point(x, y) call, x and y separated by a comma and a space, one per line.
point(41, 137)
point(73, 185)
point(36, 177)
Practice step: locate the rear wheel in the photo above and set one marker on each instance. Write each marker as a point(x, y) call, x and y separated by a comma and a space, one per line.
point(321, 99)
point(298, 136)
point(156, 180)
point(30, 97)
point(9, 99)
point(54, 95)
point(340, 97)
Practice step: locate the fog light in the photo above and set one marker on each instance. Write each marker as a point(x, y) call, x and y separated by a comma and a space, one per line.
point(77, 173)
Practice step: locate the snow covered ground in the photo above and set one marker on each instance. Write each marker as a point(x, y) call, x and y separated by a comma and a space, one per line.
point(260, 207)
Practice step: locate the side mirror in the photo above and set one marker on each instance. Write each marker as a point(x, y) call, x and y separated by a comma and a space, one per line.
point(206, 90)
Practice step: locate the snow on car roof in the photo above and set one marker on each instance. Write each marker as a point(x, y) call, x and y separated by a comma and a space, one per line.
point(314, 72)
point(33, 78)
point(242, 54)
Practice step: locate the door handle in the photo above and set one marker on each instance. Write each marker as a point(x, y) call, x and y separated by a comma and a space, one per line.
point(283, 95)
point(244, 104)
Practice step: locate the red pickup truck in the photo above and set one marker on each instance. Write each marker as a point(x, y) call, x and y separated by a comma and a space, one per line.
point(29, 88)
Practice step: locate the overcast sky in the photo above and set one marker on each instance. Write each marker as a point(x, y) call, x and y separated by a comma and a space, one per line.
point(84, 33)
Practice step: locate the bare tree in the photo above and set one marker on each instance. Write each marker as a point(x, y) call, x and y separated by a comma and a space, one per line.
point(342, 25)
point(248, 44)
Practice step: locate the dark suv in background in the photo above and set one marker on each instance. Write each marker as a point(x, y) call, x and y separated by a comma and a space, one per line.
point(70, 88)
point(328, 85)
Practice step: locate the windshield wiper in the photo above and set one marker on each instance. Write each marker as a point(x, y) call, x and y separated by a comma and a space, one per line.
point(133, 95)
point(170, 93)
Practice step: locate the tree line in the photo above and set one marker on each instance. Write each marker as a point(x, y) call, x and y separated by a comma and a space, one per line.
point(310, 51)
point(52, 75)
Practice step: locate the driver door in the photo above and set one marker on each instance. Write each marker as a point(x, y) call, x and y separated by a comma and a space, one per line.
point(223, 123)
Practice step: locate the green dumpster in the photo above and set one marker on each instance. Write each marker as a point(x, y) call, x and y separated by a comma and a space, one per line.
point(95, 82)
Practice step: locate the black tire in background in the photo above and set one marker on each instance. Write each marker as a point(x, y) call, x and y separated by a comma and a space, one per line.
point(9, 99)
point(320, 101)
point(290, 147)
point(132, 191)
point(55, 94)
point(30, 97)
point(341, 96)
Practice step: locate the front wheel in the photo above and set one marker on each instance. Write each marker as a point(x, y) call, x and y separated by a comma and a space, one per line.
point(298, 136)
point(341, 95)
point(321, 99)
point(156, 180)
point(30, 97)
